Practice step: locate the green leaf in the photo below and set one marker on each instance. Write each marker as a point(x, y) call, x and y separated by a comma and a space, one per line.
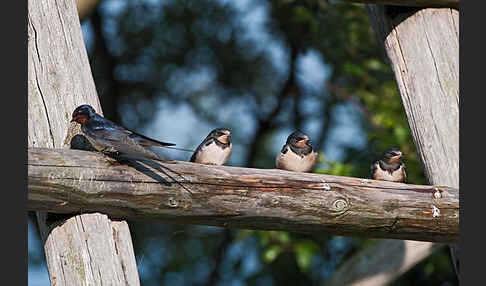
point(244, 233)
point(283, 236)
point(304, 251)
point(271, 253)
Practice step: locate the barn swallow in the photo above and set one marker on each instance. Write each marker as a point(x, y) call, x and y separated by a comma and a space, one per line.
point(389, 167)
point(215, 148)
point(297, 154)
point(108, 134)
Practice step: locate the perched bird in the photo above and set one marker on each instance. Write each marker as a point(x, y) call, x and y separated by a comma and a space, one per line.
point(215, 148)
point(297, 154)
point(108, 134)
point(389, 167)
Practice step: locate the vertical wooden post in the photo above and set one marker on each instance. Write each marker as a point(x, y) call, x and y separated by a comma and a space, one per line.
point(87, 249)
point(423, 48)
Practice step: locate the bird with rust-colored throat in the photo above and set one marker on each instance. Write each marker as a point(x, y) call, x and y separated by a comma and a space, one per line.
point(389, 167)
point(108, 134)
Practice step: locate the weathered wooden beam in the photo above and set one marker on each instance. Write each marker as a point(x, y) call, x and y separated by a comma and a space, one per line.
point(413, 3)
point(87, 249)
point(73, 181)
point(95, 250)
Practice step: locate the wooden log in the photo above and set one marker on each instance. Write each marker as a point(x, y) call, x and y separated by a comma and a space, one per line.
point(67, 181)
point(413, 3)
point(86, 257)
point(85, 249)
point(422, 46)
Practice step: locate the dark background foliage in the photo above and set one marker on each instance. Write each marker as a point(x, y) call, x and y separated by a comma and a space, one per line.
point(176, 69)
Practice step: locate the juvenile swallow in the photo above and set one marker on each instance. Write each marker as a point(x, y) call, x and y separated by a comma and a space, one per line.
point(389, 167)
point(215, 148)
point(297, 154)
point(108, 134)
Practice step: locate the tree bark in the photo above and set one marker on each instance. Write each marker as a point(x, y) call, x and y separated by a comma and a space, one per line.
point(66, 181)
point(423, 48)
point(87, 249)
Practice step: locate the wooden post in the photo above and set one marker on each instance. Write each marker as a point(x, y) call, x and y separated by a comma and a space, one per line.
point(423, 48)
point(88, 249)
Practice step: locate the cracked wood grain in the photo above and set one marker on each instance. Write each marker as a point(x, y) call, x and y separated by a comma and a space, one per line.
point(59, 74)
point(86, 249)
point(423, 48)
point(71, 181)
point(89, 253)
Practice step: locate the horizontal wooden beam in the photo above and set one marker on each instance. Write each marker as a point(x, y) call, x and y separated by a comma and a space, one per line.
point(413, 3)
point(74, 181)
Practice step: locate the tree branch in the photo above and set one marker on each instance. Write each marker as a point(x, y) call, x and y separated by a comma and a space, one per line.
point(67, 181)
point(267, 123)
point(219, 256)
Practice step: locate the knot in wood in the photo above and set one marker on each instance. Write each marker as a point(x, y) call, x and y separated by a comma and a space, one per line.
point(340, 205)
point(269, 200)
point(173, 202)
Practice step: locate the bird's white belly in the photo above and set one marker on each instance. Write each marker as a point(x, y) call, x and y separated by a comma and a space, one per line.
point(293, 162)
point(213, 154)
point(395, 176)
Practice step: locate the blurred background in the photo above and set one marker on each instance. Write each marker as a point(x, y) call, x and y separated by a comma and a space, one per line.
point(176, 69)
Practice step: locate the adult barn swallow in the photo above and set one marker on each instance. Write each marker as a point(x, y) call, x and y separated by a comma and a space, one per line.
point(108, 134)
point(297, 154)
point(215, 148)
point(389, 167)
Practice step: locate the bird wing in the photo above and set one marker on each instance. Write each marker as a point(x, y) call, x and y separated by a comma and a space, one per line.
point(194, 155)
point(208, 140)
point(404, 173)
point(146, 141)
point(118, 138)
point(116, 132)
point(373, 169)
